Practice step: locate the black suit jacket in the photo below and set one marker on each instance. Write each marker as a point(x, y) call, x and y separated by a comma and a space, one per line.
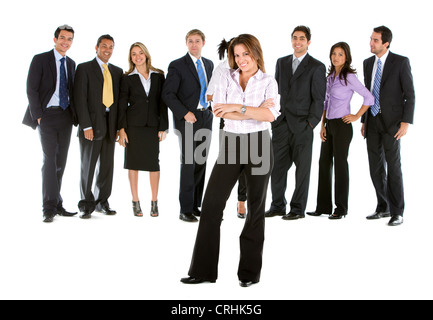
point(41, 85)
point(181, 90)
point(88, 88)
point(397, 93)
point(136, 108)
point(302, 94)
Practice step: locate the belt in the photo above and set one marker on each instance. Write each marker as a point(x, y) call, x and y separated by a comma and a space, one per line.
point(203, 109)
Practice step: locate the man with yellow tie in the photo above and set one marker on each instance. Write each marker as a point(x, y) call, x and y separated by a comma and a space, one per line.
point(96, 95)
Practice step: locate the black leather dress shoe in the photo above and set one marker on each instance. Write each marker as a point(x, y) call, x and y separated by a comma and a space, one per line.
point(192, 280)
point(396, 220)
point(62, 212)
point(48, 218)
point(293, 216)
point(86, 214)
point(187, 217)
point(273, 213)
point(107, 211)
point(246, 283)
point(378, 215)
point(317, 214)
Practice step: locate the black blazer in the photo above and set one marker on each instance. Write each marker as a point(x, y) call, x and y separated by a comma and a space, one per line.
point(138, 109)
point(41, 85)
point(302, 94)
point(181, 91)
point(88, 88)
point(397, 93)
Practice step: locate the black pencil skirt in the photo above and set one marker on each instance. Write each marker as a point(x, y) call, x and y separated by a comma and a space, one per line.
point(142, 150)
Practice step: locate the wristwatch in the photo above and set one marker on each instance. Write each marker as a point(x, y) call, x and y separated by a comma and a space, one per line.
point(243, 110)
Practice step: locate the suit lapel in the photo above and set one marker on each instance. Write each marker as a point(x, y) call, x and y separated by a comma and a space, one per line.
point(192, 67)
point(53, 67)
point(97, 71)
point(301, 68)
point(387, 69)
point(369, 72)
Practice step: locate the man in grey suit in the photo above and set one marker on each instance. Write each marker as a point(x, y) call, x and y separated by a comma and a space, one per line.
point(302, 86)
point(96, 97)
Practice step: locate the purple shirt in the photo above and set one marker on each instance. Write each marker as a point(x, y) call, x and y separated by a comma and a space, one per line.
point(338, 95)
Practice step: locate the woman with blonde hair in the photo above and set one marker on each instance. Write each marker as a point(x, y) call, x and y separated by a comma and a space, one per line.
point(143, 121)
point(248, 100)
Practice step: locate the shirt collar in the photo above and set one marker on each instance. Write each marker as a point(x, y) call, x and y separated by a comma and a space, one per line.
point(100, 62)
point(383, 58)
point(58, 56)
point(194, 59)
point(235, 74)
point(136, 72)
point(300, 58)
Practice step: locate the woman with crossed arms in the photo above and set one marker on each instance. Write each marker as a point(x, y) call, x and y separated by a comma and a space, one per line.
point(248, 101)
point(337, 132)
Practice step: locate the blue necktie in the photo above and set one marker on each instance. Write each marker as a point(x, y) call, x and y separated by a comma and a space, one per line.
point(202, 79)
point(376, 89)
point(64, 99)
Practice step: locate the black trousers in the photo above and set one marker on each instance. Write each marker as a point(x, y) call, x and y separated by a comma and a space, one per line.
point(385, 166)
point(291, 148)
point(334, 152)
point(242, 183)
point(55, 135)
point(194, 143)
point(97, 160)
point(225, 174)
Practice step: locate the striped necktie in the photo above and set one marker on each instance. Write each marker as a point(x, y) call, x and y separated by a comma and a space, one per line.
point(107, 91)
point(202, 79)
point(63, 89)
point(376, 89)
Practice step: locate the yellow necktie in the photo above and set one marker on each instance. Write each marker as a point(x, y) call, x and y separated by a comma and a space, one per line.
point(107, 92)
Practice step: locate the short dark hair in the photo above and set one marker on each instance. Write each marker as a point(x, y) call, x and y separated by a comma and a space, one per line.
point(63, 27)
point(386, 34)
point(104, 37)
point(305, 30)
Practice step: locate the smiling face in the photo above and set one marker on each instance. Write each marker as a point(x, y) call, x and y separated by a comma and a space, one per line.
point(138, 57)
point(63, 42)
point(300, 43)
point(195, 43)
point(105, 50)
point(244, 60)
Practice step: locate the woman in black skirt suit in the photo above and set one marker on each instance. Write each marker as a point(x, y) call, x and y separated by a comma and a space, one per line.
point(143, 122)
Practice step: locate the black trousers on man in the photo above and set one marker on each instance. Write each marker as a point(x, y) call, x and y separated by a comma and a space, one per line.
point(194, 142)
point(385, 166)
point(97, 160)
point(55, 135)
point(291, 148)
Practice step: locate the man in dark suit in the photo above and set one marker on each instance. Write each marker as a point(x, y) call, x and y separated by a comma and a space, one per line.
point(390, 79)
point(96, 96)
point(302, 85)
point(184, 93)
point(49, 90)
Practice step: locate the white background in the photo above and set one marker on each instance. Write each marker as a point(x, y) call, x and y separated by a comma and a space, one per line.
point(124, 257)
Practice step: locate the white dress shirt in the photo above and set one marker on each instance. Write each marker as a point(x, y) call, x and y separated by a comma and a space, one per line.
point(373, 75)
point(145, 82)
point(260, 88)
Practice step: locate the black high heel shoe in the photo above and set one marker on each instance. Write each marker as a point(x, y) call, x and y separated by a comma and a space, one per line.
point(137, 209)
point(154, 209)
point(337, 216)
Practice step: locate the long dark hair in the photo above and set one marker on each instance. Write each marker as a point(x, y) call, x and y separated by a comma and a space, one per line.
point(347, 68)
point(223, 48)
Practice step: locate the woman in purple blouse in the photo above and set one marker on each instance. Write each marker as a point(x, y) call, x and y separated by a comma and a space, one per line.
point(337, 132)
